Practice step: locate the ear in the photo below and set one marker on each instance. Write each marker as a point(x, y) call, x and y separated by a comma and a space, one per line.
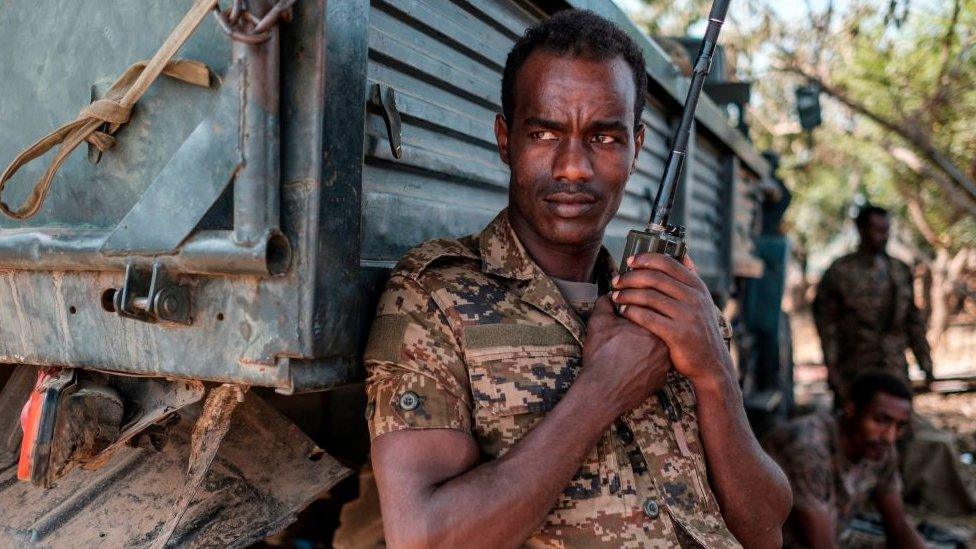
point(501, 137)
point(638, 145)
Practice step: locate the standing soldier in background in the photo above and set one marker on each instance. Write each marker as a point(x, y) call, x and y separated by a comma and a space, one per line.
point(865, 311)
point(866, 315)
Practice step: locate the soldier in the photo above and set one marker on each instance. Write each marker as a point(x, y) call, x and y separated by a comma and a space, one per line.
point(837, 463)
point(865, 310)
point(507, 403)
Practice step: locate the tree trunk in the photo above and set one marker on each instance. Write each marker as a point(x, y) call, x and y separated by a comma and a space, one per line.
point(939, 297)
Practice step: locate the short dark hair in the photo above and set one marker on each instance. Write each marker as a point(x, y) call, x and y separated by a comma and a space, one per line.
point(865, 213)
point(867, 385)
point(576, 33)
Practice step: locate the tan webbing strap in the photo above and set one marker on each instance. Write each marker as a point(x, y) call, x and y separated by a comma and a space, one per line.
point(114, 109)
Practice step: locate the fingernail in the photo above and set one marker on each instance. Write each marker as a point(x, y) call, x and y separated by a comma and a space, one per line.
point(614, 296)
point(630, 261)
point(615, 280)
point(622, 309)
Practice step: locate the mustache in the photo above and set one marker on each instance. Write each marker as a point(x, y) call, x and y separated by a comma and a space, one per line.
point(555, 187)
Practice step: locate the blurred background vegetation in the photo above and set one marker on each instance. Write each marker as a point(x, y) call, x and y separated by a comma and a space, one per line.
point(897, 81)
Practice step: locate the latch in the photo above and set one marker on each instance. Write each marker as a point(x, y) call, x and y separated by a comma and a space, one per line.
point(150, 296)
point(385, 98)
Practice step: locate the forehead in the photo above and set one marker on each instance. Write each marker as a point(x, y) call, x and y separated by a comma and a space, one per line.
point(890, 405)
point(550, 84)
point(879, 220)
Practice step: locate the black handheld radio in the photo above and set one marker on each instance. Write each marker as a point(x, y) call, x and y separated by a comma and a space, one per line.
point(659, 235)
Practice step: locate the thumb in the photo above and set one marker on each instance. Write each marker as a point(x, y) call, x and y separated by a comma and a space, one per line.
point(602, 307)
point(687, 262)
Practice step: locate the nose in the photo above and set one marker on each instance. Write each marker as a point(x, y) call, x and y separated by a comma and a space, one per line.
point(572, 162)
point(890, 435)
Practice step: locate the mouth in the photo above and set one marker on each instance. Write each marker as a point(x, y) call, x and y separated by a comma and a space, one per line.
point(877, 451)
point(569, 205)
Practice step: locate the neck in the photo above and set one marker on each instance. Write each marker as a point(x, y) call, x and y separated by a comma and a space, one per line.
point(574, 262)
point(847, 443)
point(865, 249)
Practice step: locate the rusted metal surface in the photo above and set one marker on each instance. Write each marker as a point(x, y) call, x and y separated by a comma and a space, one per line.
point(203, 253)
point(257, 201)
point(155, 400)
point(247, 328)
point(208, 432)
point(84, 417)
point(264, 472)
point(174, 203)
point(339, 222)
point(244, 25)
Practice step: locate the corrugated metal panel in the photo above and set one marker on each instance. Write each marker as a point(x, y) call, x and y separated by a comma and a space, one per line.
point(450, 180)
point(444, 60)
point(707, 211)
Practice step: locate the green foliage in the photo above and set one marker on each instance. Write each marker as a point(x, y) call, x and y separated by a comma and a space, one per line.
point(916, 72)
point(672, 17)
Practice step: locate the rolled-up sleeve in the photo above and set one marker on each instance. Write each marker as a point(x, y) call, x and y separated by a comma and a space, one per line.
point(416, 377)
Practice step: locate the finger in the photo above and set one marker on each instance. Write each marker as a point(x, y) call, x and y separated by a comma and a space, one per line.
point(689, 264)
point(665, 264)
point(651, 299)
point(653, 279)
point(652, 321)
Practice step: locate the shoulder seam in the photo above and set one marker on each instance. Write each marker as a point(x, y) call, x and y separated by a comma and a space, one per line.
point(414, 264)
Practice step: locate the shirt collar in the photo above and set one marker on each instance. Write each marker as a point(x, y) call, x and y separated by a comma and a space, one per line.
point(503, 254)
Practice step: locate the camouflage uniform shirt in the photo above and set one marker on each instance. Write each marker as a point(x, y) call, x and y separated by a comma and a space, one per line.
point(471, 335)
point(866, 315)
point(808, 450)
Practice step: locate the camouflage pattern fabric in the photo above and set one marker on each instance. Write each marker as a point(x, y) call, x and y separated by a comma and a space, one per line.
point(472, 335)
point(808, 450)
point(866, 316)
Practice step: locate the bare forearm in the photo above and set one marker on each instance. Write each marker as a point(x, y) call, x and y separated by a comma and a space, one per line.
point(752, 491)
point(904, 536)
point(898, 530)
point(516, 490)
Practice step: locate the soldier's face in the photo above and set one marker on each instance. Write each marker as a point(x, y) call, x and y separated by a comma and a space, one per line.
point(879, 425)
point(875, 235)
point(571, 146)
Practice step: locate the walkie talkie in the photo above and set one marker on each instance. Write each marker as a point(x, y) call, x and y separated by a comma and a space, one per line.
point(660, 236)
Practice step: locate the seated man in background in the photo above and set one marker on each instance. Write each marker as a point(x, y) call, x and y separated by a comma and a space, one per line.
point(835, 464)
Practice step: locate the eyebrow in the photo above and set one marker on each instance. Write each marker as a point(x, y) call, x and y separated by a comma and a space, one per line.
point(608, 126)
point(598, 125)
point(543, 123)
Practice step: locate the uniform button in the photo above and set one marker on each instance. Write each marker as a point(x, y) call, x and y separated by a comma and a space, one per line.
point(651, 508)
point(624, 434)
point(409, 401)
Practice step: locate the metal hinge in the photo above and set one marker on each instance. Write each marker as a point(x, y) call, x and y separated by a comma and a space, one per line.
point(150, 296)
point(385, 98)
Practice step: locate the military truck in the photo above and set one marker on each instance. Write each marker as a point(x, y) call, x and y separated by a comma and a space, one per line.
point(183, 304)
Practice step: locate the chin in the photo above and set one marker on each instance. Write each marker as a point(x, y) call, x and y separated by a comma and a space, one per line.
point(573, 231)
point(876, 455)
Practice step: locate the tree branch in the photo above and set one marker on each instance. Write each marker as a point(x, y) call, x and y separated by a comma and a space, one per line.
point(917, 216)
point(911, 134)
point(956, 198)
point(947, 41)
point(942, 82)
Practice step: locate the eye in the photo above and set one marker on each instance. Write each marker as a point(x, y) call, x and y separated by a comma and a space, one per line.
point(603, 139)
point(544, 135)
